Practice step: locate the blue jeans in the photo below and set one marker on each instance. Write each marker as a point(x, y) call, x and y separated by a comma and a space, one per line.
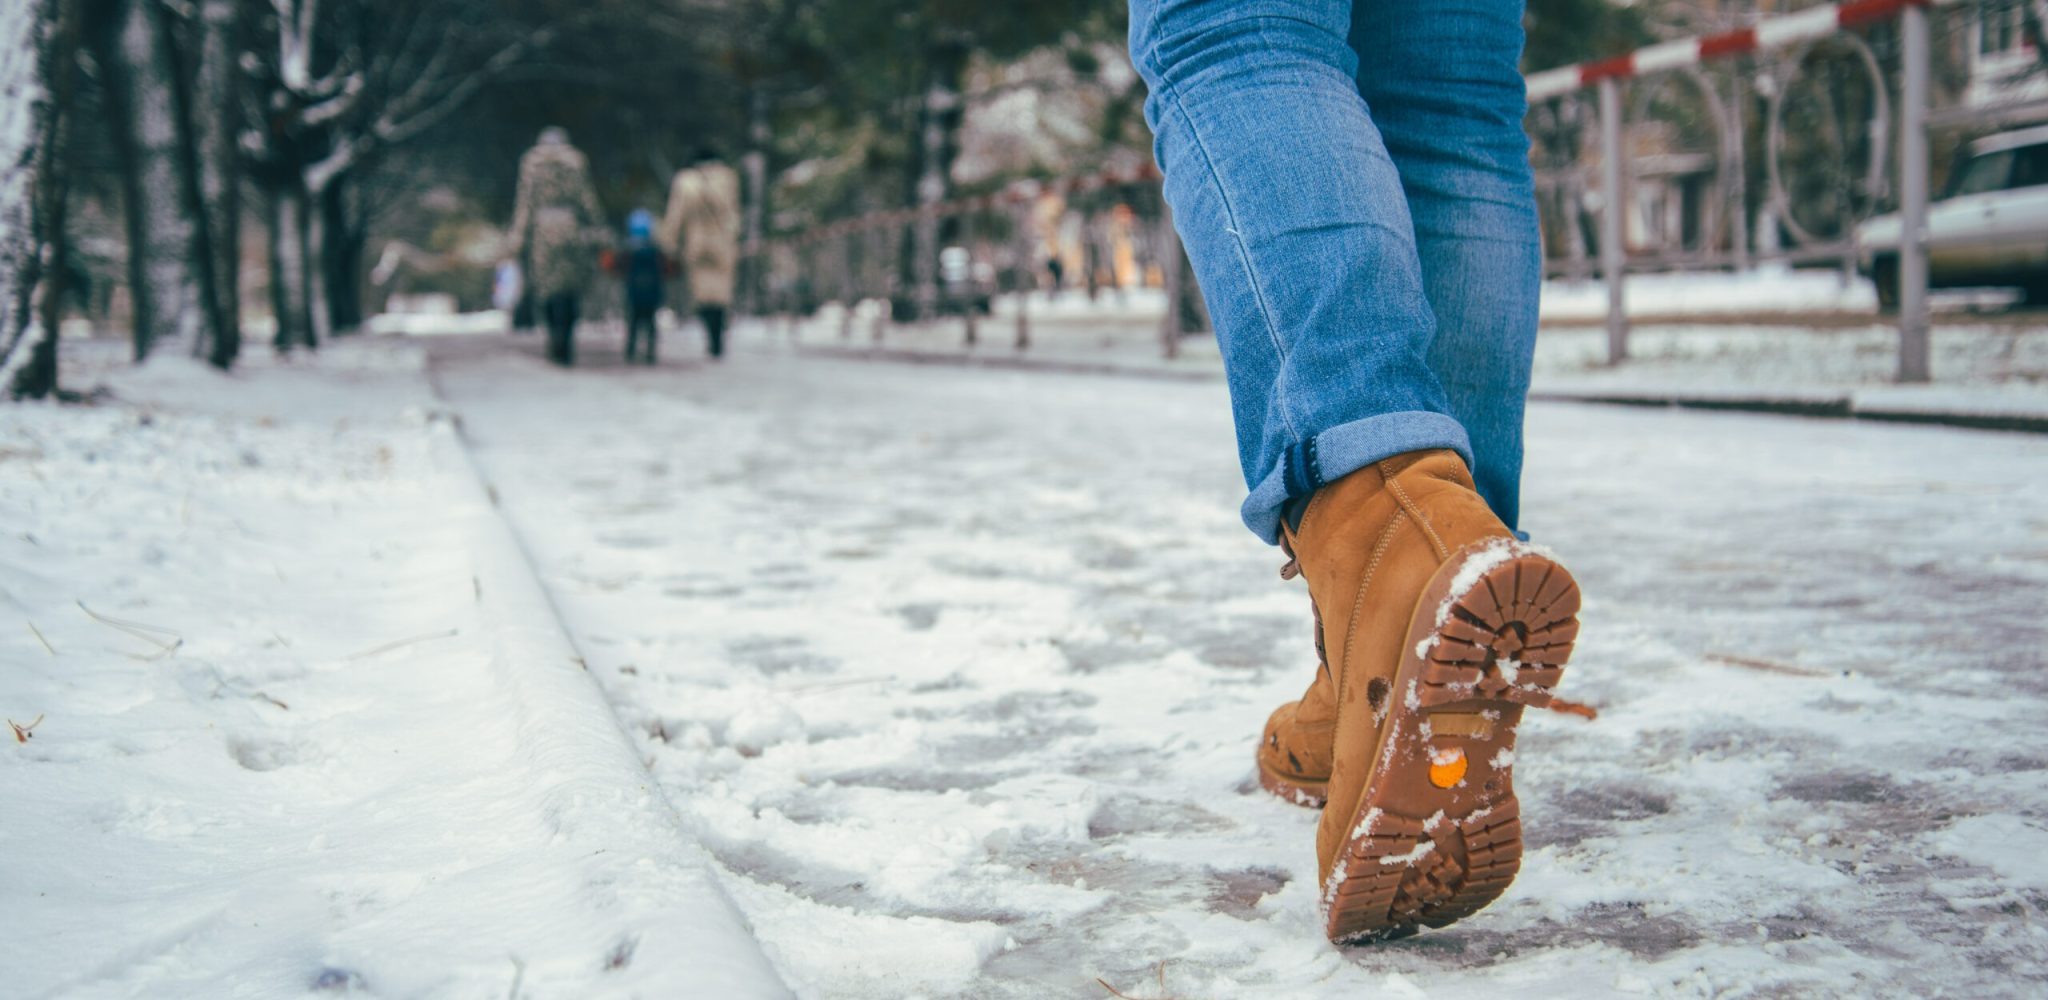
point(1353, 188)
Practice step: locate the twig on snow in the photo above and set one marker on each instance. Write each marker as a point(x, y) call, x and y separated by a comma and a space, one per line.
point(166, 640)
point(401, 643)
point(1767, 666)
point(834, 685)
point(39, 638)
point(1113, 991)
point(1568, 707)
point(518, 977)
point(221, 683)
point(21, 732)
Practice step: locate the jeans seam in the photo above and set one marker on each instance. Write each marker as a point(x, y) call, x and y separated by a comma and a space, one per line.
point(1172, 97)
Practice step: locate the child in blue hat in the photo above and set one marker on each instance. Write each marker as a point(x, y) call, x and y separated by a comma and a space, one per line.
point(647, 271)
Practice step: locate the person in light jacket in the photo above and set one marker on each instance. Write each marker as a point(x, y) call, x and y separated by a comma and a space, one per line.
point(701, 230)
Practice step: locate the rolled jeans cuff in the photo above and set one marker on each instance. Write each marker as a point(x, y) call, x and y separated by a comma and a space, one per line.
point(1306, 466)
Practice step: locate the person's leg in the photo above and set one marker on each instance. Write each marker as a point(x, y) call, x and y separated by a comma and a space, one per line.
point(1434, 627)
point(551, 314)
point(714, 328)
point(1443, 83)
point(1294, 219)
point(569, 310)
point(632, 332)
point(653, 331)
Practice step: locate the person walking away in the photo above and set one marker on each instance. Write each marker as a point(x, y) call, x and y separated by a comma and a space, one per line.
point(646, 271)
point(1049, 214)
point(554, 223)
point(1352, 184)
point(506, 291)
point(702, 229)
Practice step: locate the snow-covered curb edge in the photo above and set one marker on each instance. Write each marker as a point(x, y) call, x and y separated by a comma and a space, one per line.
point(1953, 409)
point(574, 741)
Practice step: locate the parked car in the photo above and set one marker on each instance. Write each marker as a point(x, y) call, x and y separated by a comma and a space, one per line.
point(1990, 227)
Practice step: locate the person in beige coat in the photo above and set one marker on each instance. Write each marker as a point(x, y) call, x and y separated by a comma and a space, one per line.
point(701, 230)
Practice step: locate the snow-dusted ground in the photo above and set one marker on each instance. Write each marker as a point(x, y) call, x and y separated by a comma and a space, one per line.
point(324, 737)
point(957, 672)
point(1711, 293)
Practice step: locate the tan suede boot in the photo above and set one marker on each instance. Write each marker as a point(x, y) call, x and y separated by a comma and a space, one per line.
point(1294, 753)
point(1437, 627)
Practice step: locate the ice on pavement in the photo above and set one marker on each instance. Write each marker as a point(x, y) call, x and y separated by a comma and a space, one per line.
point(957, 672)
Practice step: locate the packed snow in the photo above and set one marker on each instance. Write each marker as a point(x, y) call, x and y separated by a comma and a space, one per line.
point(296, 720)
point(957, 673)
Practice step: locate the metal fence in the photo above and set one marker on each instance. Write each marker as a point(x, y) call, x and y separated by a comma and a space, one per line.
point(956, 260)
point(1769, 142)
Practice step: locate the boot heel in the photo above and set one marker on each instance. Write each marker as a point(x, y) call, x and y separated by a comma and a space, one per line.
point(1504, 636)
point(1437, 833)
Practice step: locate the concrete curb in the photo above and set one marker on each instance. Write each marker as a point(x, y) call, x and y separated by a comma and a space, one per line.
point(1015, 362)
point(1849, 405)
point(1840, 406)
point(691, 938)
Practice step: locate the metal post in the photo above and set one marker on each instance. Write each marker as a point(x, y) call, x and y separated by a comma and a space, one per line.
point(1169, 267)
point(1026, 268)
point(1738, 194)
point(849, 286)
point(1613, 255)
point(1913, 347)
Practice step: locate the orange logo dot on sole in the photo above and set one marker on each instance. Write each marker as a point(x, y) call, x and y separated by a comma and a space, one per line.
point(1446, 767)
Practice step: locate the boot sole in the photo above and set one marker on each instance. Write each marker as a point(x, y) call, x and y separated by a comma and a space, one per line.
point(1437, 833)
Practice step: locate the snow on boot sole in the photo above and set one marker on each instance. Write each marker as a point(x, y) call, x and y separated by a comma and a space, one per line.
point(1437, 832)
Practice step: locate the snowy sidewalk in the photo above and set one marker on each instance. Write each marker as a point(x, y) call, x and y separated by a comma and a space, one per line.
point(958, 672)
point(318, 732)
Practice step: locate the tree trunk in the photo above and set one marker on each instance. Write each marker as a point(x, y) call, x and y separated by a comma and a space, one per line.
point(167, 256)
point(754, 165)
point(290, 284)
point(31, 35)
point(341, 259)
point(216, 99)
point(313, 239)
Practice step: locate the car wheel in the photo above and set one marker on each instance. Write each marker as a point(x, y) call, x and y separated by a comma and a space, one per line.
point(1884, 272)
point(2035, 293)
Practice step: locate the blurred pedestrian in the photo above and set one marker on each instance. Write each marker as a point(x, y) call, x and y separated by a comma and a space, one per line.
point(1352, 184)
point(646, 271)
point(557, 227)
point(1049, 214)
point(507, 290)
point(702, 229)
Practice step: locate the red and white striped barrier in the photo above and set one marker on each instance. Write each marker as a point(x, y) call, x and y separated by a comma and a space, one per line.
point(1766, 35)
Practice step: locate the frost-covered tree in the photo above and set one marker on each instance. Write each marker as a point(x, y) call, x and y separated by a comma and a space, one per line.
point(37, 64)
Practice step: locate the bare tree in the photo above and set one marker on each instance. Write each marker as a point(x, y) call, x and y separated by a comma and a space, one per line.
point(21, 73)
point(216, 101)
point(169, 264)
point(38, 64)
point(342, 84)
